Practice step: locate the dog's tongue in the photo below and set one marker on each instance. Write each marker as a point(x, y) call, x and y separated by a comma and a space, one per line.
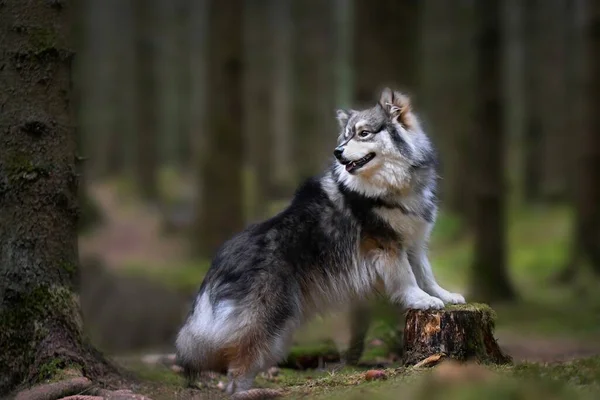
point(349, 166)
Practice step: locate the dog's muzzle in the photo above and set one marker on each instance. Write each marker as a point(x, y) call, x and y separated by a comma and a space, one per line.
point(338, 153)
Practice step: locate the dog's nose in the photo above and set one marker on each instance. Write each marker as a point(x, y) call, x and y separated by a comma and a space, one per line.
point(338, 152)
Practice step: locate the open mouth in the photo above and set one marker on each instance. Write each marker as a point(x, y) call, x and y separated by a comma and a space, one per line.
point(353, 166)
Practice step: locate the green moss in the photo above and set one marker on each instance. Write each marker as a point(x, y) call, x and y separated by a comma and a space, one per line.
point(41, 39)
point(23, 324)
point(21, 167)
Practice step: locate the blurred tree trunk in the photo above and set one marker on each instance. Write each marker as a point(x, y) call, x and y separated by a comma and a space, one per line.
point(184, 18)
point(515, 94)
point(221, 205)
point(386, 47)
point(283, 164)
point(40, 323)
point(577, 113)
point(198, 82)
point(448, 69)
point(489, 280)
point(121, 89)
point(259, 104)
point(315, 127)
point(587, 151)
point(385, 43)
point(544, 165)
point(147, 99)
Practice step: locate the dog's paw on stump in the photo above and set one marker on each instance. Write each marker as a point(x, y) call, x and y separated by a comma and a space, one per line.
point(461, 332)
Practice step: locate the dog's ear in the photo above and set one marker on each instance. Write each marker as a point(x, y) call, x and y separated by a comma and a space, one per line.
point(343, 116)
point(396, 105)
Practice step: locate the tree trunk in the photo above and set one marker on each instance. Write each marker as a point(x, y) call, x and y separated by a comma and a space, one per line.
point(386, 43)
point(489, 280)
point(221, 199)
point(578, 124)
point(587, 151)
point(462, 333)
point(447, 84)
point(259, 105)
point(147, 100)
point(283, 165)
point(184, 149)
point(545, 166)
point(40, 321)
point(315, 127)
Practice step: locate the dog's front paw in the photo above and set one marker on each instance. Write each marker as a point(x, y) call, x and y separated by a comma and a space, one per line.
point(417, 299)
point(447, 297)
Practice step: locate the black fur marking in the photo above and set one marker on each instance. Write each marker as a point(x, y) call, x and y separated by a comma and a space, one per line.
point(399, 143)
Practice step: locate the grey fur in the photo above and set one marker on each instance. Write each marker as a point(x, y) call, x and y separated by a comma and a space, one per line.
point(345, 231)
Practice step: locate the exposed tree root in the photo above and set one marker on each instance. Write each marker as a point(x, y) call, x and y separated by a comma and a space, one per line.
point(57, 390)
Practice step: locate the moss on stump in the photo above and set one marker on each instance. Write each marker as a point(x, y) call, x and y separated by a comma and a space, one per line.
point(464, 332)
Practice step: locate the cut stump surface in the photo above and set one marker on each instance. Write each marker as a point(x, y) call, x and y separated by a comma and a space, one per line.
point(462, 332)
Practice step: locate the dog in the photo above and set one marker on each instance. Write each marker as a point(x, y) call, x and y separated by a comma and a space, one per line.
point(363, 224)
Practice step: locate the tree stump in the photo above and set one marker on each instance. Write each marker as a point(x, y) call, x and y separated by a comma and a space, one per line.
point(462, 332)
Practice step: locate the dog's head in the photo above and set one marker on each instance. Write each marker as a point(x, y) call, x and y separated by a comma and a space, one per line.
point(378, 147)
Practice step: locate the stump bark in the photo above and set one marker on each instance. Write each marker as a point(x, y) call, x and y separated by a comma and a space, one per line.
point(462, 333)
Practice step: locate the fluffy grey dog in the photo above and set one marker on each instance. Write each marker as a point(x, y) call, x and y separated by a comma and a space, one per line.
point(363, 224)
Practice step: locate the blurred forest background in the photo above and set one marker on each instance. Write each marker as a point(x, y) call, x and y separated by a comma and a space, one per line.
point(197, 119)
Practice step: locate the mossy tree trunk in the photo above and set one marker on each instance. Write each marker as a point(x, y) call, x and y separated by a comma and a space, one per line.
point(220, 213)
point(489, 274)
point(463, 333)
point(40, 322)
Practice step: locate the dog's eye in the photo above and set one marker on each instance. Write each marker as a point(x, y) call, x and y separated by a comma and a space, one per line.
point(364, 134)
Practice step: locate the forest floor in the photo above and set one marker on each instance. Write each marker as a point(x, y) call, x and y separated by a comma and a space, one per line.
point(551, 332)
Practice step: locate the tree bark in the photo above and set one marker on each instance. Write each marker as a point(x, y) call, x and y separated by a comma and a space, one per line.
point(147, 100)
point(221, 199)
point(462, 333)
point(489, 280)
point(40, 322)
